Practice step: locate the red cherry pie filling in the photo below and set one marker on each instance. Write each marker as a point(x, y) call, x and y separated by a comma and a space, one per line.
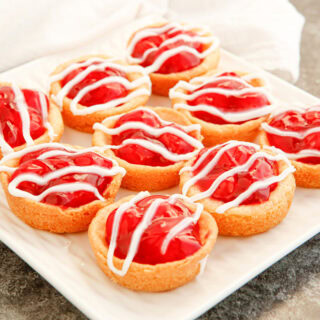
point(49, 165)
point(152, 242)
point(226, 105)
point(65, 179)
point(147, 145)
point(92, 88)
point(100, 95)
point(296, 131)
point(156, 45)
point(241, 185)
point(24, 118)
point(229, 189)
point(227, 102)
point(137, 154)
point(170, 52)
point(166, 217)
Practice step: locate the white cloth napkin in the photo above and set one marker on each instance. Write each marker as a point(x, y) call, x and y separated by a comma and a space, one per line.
point(265, 32)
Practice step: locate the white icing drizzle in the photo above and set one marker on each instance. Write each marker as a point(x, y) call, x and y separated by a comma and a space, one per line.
point(294, 156)
point(203, 264)
point(4, 145)
point(254, 187)
point(22, 108)
point(183, 224)
point(162, 121)
point(236, 116)
point(142, 226)
point(68, 150)
point(158, 148)
point(156, 132)
point(158, 62)
point(7, 169)
point(131, 86)
point(300, 108)
point(65, 187)
point(229, 116)
point(295, 134)
point(244, 167)
point(286, 133)
point(44, 110)
point(24, 114)
point(306, 153)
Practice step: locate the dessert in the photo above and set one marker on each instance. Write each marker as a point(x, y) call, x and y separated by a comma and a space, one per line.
point(26, 118)
point(91, 88)
point(296, 132)
point(59, 188)
point(152, 243)
point(247, 189)
point(170, 52)
point(152, 144)
point(226, 105)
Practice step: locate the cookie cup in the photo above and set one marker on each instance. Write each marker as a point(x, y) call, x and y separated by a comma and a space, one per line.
point(214, 134)
point(53, 218)
point(142, 177)
point(306, 175)
point(162, 83)
point(246, 220)
point(145, 277)
point(55, 120)
point(85, 122)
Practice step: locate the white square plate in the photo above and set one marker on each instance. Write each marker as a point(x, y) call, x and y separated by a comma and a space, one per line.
point(67, 262)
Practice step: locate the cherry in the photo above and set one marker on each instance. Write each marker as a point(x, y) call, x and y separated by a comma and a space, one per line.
point(233, 186)
point(299, 122)
point(30, 164)
point(103, 93)
point(10, 119)
point(184, 244)
point(227, 103)
point(180, 62)
point(137, 154)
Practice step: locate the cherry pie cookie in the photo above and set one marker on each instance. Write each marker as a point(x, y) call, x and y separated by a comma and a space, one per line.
point(152, 243)
point(226, 105)
point(170, 52)
point(296, 131)
point(57, 187)
point(152, 144)
point(26, 118)
point(247, 189)
point(91, 88)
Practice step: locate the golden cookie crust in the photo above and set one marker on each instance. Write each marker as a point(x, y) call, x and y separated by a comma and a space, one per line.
point(141, 177)
point(151, 278)
point(54, 118)
point(306, 175)
point(214, 134)
point(52, 218)
point(84, 123)
point(246, 220)
point(162, 83)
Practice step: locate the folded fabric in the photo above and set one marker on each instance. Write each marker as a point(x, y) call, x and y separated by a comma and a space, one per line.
point(264, 32)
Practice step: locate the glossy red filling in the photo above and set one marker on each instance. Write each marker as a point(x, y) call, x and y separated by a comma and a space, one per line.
point(298, 122)
point(10, 120)
point(103, 93)
point(179, 62)
point(233, 186)
point(227, 103)
point(30, 164)
point(136, 154)
point(184, 244)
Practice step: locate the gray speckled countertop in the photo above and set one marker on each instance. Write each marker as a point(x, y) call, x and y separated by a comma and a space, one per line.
point(289, 290)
